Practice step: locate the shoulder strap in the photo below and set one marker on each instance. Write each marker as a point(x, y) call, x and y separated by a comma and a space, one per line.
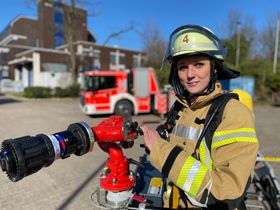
point(167, 127)
point(173, 115)
point(213, 119)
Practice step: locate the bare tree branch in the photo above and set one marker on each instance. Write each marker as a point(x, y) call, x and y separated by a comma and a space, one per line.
point(154, 44)
point(31, 4)
point(126, 29)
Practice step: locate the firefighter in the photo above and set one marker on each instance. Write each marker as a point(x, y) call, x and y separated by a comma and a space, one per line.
point(214, 177)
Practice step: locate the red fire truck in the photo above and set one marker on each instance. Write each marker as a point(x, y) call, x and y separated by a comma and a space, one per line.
point(123, 92)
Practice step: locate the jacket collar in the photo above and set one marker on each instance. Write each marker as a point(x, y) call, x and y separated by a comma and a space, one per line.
point(202, 101)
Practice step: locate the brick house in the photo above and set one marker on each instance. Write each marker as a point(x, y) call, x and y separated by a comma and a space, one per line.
point(34, 52)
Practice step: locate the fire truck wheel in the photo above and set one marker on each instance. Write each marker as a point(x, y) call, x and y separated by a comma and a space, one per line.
point(123, 108)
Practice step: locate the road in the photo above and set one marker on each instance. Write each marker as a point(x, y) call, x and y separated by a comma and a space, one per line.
point(68, 183)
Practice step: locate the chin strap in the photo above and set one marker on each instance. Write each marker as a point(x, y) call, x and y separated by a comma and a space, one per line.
point(175, 82)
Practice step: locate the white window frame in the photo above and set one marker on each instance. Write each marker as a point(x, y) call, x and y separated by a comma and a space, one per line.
point(117, 65)
point(137, 58)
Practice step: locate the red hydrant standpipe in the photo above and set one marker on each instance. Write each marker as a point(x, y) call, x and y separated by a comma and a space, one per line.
point(108, 133)
point(118, 178)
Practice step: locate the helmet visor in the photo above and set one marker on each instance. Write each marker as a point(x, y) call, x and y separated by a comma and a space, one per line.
point(193, 39)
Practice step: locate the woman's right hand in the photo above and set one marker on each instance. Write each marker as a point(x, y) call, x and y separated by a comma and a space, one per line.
point(150, 136)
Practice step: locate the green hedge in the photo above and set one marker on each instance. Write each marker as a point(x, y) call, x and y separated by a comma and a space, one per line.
point(273, 81)
point(37, 92)
point(44, 92)
point(70, 91)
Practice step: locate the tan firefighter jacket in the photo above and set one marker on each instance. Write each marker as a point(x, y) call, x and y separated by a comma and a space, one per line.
point(219, 175)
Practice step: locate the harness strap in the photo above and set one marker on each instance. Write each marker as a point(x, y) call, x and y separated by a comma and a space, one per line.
point(213, 119)
point(166, 128)
point(173, 115)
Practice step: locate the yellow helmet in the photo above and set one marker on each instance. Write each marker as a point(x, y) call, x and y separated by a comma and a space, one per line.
point(244, 97)
point(191, 40)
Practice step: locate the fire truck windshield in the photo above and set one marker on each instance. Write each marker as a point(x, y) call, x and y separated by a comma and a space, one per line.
point(93, 83)
point(88, 83)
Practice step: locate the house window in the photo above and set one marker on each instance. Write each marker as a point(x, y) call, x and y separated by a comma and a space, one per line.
point(91, 52)
point(136, 60)
point(113, 58)
point(58, 23)
point(31, 42)
point(96, 60)
point(96, 54)
point(122, 59)
point(117, 60)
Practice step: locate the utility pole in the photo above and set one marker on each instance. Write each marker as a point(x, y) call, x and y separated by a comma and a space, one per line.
point(276, 47)
point(237, 45)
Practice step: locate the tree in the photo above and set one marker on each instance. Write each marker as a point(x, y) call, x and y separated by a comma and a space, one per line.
point(267, 36)
point(154, 46)
point(245, 49)
point(69, 17)
point(238, 26)
point(229, 27)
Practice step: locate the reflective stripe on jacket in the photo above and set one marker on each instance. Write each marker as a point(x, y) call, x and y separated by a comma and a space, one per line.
point(219, 175)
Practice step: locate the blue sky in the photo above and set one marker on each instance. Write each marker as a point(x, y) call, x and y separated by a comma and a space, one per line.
point(166, 14)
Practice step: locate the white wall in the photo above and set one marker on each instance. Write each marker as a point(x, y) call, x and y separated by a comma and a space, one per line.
point(36, 69)
point(17, 73)
point(52, 80)
point(24, 76)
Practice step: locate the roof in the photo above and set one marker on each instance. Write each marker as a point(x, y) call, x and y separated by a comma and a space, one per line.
point(11, 23)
